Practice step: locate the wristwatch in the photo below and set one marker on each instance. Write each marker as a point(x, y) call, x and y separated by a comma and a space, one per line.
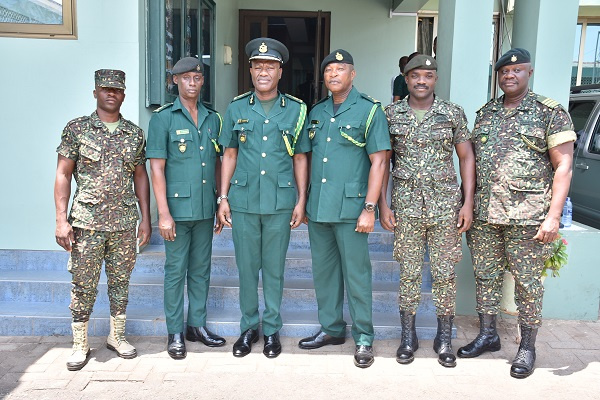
point(221, 198)
point(370, 207)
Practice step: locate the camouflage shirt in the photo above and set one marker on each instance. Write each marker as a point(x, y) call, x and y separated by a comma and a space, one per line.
point(105, 162)
point(513, 168)
point(425, 183)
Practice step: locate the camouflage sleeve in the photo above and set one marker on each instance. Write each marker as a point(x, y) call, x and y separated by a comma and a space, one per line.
point(378, 137)
point(158, 138)
point(69, 146)
point(560, 129)
point(461, 132)
point(140, 155)
point(228, 138)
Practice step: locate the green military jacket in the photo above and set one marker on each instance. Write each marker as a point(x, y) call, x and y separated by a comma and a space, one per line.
point(263, 181)
point(341, 143)
point(191, 153)
point(105, 162)
point(425, 183)
point(513, 168)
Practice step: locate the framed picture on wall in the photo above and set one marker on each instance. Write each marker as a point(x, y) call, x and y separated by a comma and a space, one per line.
point(50, 19)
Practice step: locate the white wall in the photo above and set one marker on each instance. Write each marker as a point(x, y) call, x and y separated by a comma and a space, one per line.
point(44, 84)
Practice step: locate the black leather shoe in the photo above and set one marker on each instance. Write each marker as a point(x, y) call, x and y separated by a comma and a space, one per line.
point(320, 339)
point(176, 346)
point(487, 340)
point(363, 356)
point(243, 346)
point(202, 334)
point(272, 346)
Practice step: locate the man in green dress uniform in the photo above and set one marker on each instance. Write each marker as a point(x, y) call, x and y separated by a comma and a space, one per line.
point(185, 164)
point(524, 151)
point(349, 140)
point(264, 165)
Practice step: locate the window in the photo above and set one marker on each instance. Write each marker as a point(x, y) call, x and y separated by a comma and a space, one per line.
point(177, 29)
point(580, 111)
point(38, 18)
point(586, 53)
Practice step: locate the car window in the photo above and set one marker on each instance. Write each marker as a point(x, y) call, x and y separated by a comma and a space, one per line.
point(580, 112)
point(594, 146)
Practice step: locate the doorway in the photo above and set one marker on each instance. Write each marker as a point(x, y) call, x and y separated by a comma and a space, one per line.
point(304, 33)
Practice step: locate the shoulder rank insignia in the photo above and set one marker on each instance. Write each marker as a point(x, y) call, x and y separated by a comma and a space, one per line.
point(241, 96)
point(372, 100)
point(159, 109)
point(294, 98)
point(548, 102)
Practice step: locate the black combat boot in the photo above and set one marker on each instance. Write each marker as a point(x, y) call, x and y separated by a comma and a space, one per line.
point(442, 344)
point(409, 344)
point(522, 365)
point(487, 340)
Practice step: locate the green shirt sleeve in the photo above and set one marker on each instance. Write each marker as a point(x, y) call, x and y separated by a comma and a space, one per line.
point(303, 144)
point(228, 138)
point(378, 138)
point(158, 137)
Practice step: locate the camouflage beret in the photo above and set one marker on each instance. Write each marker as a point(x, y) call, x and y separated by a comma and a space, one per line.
point(337, 56)
point(187, 64)
point(513, 56)
point(112, 78)
point(421, 61)
point(267, 49)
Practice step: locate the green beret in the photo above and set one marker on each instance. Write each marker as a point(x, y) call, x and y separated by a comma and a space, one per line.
point(267, 49)
point(513, 56)
point(422, 61)
point(337, 56)
point(113, 78)
point(187, 64)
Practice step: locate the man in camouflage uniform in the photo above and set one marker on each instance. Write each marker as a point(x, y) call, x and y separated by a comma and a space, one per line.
point(264, 167)
point(524, 148)
point(185, 163)
point(105, 153)
point(348, 136)
point(424, 130)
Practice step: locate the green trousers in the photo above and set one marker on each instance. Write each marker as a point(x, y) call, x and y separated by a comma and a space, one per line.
point(340, 256)
point(189, 255)
point(261, 243)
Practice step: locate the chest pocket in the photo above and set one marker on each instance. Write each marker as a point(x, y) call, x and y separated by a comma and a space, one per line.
point(89, 150)
point(243, 131)
point(442, 135)
point(351, 133)
point(534, 138)
point(288, 135)
point(182, 143)
point(314, 129)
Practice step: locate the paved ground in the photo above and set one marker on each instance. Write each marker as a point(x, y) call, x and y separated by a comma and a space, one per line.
point(568, 367)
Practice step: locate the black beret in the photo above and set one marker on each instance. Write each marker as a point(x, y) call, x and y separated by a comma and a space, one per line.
point(421, 61)
point(267, 49)
point(513, 56)
point(113, 78)
point(187, 64)
point(337, 56)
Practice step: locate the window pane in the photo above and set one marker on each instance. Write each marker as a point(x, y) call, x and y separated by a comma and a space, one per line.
point(576, 55)
point(591, 55)
point(191, 28)
point(172, 40)
point(580, 112)
point(206, 51)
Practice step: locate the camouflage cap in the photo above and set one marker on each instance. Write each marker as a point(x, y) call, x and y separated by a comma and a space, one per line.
point(421, 61)
point(113, 78)
point(513, 56)
point(267, 49)
point(187, 64)
point(337, 56)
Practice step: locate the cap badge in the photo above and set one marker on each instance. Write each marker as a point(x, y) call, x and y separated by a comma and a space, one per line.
point(513, 58)
point(198, 68)
point(338, 56)
point(427, 62)
point(263, 48)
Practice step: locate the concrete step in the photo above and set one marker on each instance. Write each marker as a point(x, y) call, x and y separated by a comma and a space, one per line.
point(147, 289)
point(45, 319)
point(379, 239)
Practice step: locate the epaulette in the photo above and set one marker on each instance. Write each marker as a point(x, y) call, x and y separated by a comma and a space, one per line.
point(131, 126)
point(241, 96)
point(372, 100)
point(85, 118)
point(294, 98)
point(547, 101)
point(322, 100)
point(209, 108)
point(485, 105)
point(159, 109)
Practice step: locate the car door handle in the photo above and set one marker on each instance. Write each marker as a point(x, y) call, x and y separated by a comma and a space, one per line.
point(582, 166)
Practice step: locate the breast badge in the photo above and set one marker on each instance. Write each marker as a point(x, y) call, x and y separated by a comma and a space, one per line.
point(243, 137)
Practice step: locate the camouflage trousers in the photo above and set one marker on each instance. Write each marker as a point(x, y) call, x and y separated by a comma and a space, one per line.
point(495, 246)
point(118, 250)
point(441, 236)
